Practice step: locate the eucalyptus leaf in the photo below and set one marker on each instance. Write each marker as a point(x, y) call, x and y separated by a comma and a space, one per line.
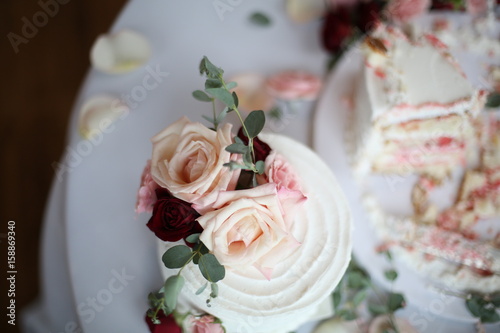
point(238, 140)
point(260, 166)
point(215, 290)
point(474, 306)
point(260, 19)
point(201, 96)
point(235, 98)
point(396, 301)
point(254, 123)
point(199, 250)
point(193, 238)
point(177, 256)
point(391, 274)
point(496, 301)
point(231, 85)
point(209, 69)
point(232, 165)
point(222, 95)
point(378, 309)
point(210, 268)
point(213, 83)
point(173, 286)
point(202, 289)
point(337, 298)
point(247, 159)
point(493, 100)
point(237, 148)
point(210, 119)
point(347, 314)
point(355, 280)
point(222, 115)
point(359, 297)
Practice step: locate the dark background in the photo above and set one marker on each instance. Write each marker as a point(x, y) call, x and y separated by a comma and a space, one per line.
point(38, 86)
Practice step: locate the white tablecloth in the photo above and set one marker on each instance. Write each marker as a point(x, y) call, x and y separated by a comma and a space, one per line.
point(98, 258)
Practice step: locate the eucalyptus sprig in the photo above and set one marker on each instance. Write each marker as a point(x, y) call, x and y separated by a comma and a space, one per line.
point(180, 256)
point(354, 289)
point(216, 88)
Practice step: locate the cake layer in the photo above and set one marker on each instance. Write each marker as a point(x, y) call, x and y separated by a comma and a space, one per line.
point(416, 80)
point(248, 302)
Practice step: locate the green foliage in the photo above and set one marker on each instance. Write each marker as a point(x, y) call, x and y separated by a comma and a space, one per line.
point(391, 274)
point(177, 256)
point(202, 96)
point(254, 123)
point(172, 288)
point(484, 308)
point(210, 268)
point(260, 19)
point(493, 100)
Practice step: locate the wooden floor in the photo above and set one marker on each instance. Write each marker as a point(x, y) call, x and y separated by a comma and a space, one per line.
point(39, 83)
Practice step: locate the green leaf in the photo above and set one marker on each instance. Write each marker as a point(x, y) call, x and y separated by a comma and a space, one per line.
point(231, 85)
point(388, 255)
point(337, 298)
point(222, 115)
point(247, 159)
point(235, 98)
point(474, 305)
point(238, 140)
point(254, 123)
point(177, 256)
point(173, 286)
point(396, 301)
point(260, 166)
point(493, 100)
point(496, 301)
point(215, 290)
point(260, 19)
point(359, 297)
point(202, 289)
point(210, 268)
point(490, 317)
point(356, 280)
point(199, 250)
point(193, 238)
point(232, 165)
point(213, 83)
point(347, 314)
point(201, 96)
point(209, 69)
point(237, 148)
point(222, 95)
point(391, 274)
point(209, 119)
point(378, 309)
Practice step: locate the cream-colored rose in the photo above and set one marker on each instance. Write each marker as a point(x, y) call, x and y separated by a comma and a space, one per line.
point(252, 227)
point(188, 160)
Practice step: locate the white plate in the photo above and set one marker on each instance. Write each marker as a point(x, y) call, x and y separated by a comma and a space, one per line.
point(329, 141)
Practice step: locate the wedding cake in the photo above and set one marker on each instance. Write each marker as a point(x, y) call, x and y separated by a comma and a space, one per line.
point(254, 233)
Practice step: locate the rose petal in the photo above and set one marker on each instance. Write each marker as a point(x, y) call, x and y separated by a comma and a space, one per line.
point(121, 52)
point(251, 92)
point(302, 11)
point(98, 113)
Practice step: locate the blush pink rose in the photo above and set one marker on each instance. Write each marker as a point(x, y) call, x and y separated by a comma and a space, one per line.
point(252, 227)
point(188, 160)
point(277, 170)
point(294, 85)
point(206, 324)
point(146, 196)
point(406, 10)
point(476, 7)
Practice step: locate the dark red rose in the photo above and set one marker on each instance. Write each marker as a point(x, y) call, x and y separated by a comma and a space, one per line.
point(261, 148)
point(337, 28)
point(368, 15)
point(173, 218)
point(167, 324)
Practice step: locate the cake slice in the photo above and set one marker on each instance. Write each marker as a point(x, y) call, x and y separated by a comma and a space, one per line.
point(416, 104)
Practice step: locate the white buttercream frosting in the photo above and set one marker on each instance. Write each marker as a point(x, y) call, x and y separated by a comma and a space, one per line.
point(248, 302)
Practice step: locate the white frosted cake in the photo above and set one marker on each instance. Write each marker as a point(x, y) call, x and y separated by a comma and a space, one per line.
point(426, 160)
point(302, 282)
point(415, 106)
